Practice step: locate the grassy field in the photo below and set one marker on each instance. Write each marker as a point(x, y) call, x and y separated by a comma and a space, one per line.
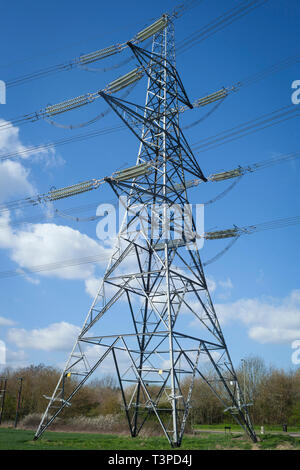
point(236, 427)
point(12, 439)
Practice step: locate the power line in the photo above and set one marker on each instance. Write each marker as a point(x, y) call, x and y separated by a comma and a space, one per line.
point(234, 233)
point(63, 213)
point(206, 115)
point(237, 173)
point(253, 79)
point(223, 193)
point(270, 70)
point(92, 120)
point(272, 225)
point(35, 149)
point(35, 200)
point(88, 58)
point(54, 266)
point(120, 83)
point(129, 79)
point(68, 140)
point(79, 43)
point(250, 229)
point(218, 24)
point(83, 60)
point(247, 81)
point(262, 122)
point(222, 252)
point(237, 232)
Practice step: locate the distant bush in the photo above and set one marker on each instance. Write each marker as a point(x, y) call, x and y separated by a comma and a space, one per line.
point(100, 424)
point(31, 421)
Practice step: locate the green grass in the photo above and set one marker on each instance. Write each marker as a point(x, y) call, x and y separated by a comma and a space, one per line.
point(236, 427)
point(273, 441)
point(12, 439)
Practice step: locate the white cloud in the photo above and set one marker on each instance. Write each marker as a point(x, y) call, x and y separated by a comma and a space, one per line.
point(10, 140)
point(55, 337)
point(5, 230)
point(14, 177)
point(92, 286)
point(226, 284)
point(268, 320)
point(47, 244)
point(39, 244)
point(94, 352)
point(224, 289)
point(10, 143)
point(6, 322)
point(274, 335)
point(16, 359)
point(30, 279)
point(211, 284)
point(14, 180)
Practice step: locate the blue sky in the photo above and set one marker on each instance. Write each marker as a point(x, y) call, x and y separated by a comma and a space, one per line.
point(255, 286)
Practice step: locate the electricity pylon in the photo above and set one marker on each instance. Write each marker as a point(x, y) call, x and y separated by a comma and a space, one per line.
point(155, 275)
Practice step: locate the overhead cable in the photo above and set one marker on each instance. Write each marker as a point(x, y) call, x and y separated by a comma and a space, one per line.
point(219, 23)
point(77, 102)
point(93, 56)
point(84, 60)
point(143, 169)
point(233, 233)
point(262, 122)
point(249, 229)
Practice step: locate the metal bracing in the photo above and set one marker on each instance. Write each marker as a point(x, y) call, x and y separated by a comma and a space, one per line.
point(155, 278)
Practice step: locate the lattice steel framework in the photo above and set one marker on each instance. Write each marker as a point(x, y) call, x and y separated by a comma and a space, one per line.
point(155, 276)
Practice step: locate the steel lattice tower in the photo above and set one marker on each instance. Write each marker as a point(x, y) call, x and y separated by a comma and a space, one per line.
point(152, 279)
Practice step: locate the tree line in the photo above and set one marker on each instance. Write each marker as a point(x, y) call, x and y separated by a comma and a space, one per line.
point(273, 395)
